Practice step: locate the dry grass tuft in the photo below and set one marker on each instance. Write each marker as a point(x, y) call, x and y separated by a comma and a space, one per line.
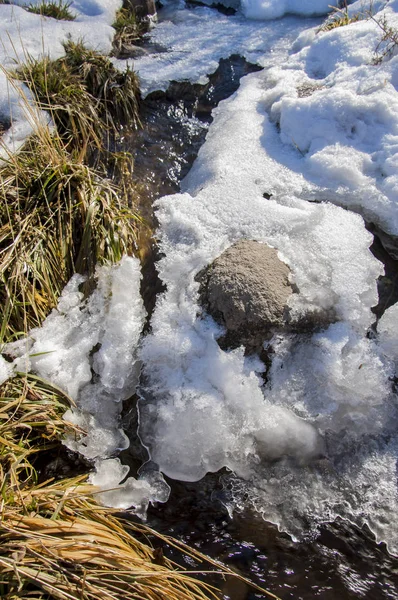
point(86, 96)
point(50, 8)
point(339, 18)
point(128, 31)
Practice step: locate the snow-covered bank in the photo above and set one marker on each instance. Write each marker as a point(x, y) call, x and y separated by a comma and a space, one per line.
point(335, 105)
point(26, 35)
point(327, 417)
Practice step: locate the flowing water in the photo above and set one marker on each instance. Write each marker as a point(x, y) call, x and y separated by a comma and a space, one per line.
point(339, 560)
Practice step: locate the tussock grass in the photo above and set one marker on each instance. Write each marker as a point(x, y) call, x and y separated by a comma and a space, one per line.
point(128, 31)
point(50, 8)
point(57, 217)
point(84, 93)
point(117, 93)
point(31, 422)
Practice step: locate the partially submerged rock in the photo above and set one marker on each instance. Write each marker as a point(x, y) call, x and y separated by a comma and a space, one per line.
point(246, 290)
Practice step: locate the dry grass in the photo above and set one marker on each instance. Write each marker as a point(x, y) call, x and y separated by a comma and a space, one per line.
point(85, 94)
point(339, 18)
point(128, 31)
point(49, 8)
point(57, 542)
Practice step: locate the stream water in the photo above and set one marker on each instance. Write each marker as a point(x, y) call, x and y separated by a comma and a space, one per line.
point(337, 561)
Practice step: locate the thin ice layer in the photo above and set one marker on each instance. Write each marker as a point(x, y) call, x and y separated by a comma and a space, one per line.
point(194, 40)
point(204, 395)
point(319, 439)
point(133, 494)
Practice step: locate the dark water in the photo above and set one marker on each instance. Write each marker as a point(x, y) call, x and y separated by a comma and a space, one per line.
point(342, 561)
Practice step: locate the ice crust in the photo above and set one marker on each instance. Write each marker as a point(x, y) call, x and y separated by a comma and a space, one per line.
point(137, 493)
point(319, 439)
point(212, 36)
point(88, 348)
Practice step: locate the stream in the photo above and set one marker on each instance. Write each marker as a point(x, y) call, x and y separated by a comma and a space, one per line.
point(335, 559)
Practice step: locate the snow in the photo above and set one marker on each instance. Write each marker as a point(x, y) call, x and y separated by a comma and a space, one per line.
point(214, 36)
point(312, 127)
point(344, 126)
point(272, 9)
point(6, 370)
point(95, 336)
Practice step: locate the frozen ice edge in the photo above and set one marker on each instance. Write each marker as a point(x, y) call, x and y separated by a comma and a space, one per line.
point(89, 349)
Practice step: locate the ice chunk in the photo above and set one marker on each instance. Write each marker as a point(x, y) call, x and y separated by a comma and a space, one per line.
point(96, 336)
point(6, 370)
point(387, 328)
point(120, 491)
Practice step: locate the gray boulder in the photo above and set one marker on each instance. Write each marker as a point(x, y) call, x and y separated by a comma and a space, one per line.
point(246, 290)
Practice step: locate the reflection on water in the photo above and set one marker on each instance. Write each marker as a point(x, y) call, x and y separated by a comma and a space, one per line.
point(342, 563)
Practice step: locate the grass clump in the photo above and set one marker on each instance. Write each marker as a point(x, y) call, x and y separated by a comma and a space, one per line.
point(117, 93)
point(57, 217)
point(49, 8)
point(84, 93)
point(339, 18)
point(128, 31)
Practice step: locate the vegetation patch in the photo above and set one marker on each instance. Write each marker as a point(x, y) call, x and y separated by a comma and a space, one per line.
point(339, 18)
point(57, 217)
point(388, 44)
point(56, 10)
point(56, 540)
point(84, 93)
point(128, 31)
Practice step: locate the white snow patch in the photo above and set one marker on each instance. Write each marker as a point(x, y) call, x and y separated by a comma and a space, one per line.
point(272, 9)
point(194, 40)
point(6, 370)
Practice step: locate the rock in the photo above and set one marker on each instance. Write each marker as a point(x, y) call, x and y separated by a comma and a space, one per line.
point(246, 290)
